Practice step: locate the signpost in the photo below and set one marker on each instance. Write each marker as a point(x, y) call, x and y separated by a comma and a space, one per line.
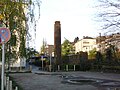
point(4, 35)
point(42, 62)
point(4, 38)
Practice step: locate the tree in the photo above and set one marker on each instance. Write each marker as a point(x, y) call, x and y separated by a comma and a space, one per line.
point(31, 52)
point(76, 39)
point(14, 17)
point(110, 14)
point(111, 55)
point(67, 48)
point(92, 54)
point(43, 47)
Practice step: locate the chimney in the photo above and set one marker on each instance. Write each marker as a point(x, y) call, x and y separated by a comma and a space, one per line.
point(57, 42)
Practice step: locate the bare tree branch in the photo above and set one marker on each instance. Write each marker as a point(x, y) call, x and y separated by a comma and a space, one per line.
point(110, 14)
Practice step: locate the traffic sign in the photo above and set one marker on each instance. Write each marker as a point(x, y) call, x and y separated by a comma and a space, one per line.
point(4, 35)
point(4, 38)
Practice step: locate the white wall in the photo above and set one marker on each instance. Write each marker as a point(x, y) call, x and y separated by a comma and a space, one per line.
point(85, 45)
point(19, 63)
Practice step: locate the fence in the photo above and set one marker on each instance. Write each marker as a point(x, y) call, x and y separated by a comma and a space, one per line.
point(9, 84)
point(65, 68)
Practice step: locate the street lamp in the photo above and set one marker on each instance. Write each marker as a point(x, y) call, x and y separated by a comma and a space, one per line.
point(50, 66)
point(42, 60)
point(50, 62)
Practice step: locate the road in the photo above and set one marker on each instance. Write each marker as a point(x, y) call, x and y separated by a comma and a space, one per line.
point(40, 80)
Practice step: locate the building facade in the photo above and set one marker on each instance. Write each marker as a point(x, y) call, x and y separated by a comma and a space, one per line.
point(49, 50)
point(86, 44)
point(113, 39)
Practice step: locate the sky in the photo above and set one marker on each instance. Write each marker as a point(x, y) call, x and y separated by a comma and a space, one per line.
point(76, 18)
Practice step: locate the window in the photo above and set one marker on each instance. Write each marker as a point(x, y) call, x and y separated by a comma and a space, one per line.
point(85, 42)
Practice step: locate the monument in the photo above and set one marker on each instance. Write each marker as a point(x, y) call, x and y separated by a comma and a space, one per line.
point(57, 43)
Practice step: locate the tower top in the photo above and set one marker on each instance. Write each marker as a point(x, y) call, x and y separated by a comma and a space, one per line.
point(57, 22)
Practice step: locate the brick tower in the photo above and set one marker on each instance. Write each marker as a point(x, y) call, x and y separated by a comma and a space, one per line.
point(57, 42)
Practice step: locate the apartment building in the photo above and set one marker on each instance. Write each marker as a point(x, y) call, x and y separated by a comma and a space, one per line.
point(49, 50)
point(113, 39)
point(86, 44)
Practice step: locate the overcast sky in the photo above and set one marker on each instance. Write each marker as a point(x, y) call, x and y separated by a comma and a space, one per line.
point(76, 18)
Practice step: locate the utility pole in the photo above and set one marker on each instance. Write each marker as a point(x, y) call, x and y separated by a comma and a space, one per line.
point(100, 42)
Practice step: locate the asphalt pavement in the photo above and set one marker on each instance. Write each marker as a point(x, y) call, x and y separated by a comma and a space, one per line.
point(41, 80)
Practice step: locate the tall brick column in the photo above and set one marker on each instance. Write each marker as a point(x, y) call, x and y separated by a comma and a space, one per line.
point(57, 42)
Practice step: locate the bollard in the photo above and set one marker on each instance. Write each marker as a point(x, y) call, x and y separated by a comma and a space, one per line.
point(7, 84)
point(58, 67)
point(20, 68)
point(30, 67)
point(50, 68)
point(74, 67)
point(16, 88)
point(66, 67)
point(10, 85)
point(5, 80)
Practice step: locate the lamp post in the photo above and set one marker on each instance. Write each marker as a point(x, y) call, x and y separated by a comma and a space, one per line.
point(42, 54)
point(50, 63)
point(42, 61)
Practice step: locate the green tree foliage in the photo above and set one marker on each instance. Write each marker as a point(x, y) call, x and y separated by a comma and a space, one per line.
point(15, 14)
point(92, 54)
point(43, 47)
point(30, 52)
point(111, 55)
point(99, 59)
point(98, 56)
point(67, 48)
